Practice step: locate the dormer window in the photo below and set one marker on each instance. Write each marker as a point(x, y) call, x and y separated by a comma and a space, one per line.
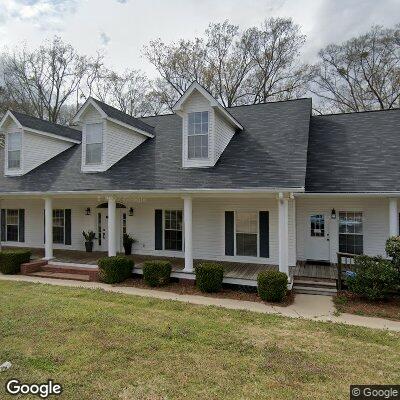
point(94, 143)
point(14, 150)
point(198, 135)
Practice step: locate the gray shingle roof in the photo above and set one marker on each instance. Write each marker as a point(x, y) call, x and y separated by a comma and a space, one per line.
point(125, 118)
point(356, 152)
point(28, 121)
point(270, 152)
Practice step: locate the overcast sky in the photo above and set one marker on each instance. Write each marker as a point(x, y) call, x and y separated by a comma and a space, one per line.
point(120, 28)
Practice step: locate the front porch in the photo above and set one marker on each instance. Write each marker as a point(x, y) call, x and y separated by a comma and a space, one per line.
point(234, 272)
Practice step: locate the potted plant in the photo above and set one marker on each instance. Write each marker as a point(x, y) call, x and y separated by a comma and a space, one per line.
point(89, 237)
point(128, 241)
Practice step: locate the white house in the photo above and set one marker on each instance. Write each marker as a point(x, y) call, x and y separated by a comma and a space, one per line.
point(265, 184)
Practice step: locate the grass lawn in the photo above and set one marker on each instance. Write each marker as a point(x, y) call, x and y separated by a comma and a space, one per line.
point(110, 346)
point(346, 302)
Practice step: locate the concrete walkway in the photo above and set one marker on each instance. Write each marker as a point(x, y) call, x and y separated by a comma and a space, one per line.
point(312, 307)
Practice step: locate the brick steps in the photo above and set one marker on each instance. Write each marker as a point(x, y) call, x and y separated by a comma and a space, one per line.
point(61, 275)
point(44, 269)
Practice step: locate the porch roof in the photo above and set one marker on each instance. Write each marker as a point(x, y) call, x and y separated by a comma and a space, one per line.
point(271, 152)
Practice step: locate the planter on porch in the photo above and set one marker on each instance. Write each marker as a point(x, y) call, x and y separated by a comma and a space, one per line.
point(128, 241)
point(89, 237)
point(89, 247)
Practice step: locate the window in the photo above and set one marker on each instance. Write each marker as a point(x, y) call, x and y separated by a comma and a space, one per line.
point(58, 226)
point(173, 230)
point(94, 143)
point(12, 223)
point(317, 225)
point(350, 232)
point(246, 234)
point(14, 150)
point(198, 135)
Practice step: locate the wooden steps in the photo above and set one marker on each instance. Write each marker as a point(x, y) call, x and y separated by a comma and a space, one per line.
point(326, 287)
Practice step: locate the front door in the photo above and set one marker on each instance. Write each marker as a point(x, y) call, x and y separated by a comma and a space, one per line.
point(317, 242)
point(102, 230)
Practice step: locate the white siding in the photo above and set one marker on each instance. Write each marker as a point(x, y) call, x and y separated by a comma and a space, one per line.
point(375, 222)
point(197, 103)
point(36, 149)
point(223, 134)
point(208, 224)
point(119, 142)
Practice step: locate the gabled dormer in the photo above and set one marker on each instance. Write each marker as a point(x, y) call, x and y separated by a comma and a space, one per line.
point(108, 134)
point(30, 142)
point(207, 128)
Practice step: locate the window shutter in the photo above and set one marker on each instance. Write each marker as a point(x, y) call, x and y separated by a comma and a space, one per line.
point(44, 226)
point(158, 230)
point(229, 233)
point(3, 224)
point(264, 233)
point(21, 228)
point(67, 216)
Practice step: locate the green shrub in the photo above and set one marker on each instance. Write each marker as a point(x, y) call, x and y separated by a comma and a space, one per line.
point(375, 278)
point(393, 250)
point(156, 272)
point(11, 260)
point(115, 269)
point(272, 285)
point(209, 277)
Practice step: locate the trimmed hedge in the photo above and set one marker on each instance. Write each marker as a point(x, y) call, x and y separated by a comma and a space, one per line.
point(375, 278)
point(156, 272)
point(272, 285)
point(11, 260)
point(209, 277)
point(115, 269)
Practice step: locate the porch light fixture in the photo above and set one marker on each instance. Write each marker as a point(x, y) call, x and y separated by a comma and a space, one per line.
point(131, 211)
point(333, 213)
point(87, 211)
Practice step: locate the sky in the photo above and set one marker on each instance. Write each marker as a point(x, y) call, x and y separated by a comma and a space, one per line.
point(120, 28)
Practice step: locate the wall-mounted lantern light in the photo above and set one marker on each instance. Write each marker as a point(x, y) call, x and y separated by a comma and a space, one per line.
point(333, 213)
point(131, 211)
point(87, 211)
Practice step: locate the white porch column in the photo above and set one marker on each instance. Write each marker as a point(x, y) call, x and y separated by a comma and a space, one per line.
point(187, 215)
point(112, 228)
point(393, 218)
point(283, 209)
point(48, 227)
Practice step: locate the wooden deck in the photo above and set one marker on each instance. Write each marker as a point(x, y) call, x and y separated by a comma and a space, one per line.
point(314, 271)
point(233, 270)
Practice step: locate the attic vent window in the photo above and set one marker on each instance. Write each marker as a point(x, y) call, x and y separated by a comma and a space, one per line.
point(14, 150)
point(198, 135)
point(94, 143)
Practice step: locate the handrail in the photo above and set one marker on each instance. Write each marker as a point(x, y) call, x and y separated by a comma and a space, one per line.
point(340, 256)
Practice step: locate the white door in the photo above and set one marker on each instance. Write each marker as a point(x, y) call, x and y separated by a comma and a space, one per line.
point(102, 229)
point(317, 242)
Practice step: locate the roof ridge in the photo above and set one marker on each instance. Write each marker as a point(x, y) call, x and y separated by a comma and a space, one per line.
point(357, 112)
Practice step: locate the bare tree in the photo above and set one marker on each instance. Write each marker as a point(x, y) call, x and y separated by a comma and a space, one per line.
point(236, 67)
point(275, 50)
point(362, 73)
point(42, 81)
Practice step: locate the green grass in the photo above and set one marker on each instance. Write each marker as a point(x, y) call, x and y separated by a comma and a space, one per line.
point(110, 346)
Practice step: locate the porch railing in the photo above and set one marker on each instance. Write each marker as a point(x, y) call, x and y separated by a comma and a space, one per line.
point(344, 261)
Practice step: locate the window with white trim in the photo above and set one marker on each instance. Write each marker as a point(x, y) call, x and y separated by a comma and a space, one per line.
point(351, 232)
point(173, 230)
point(12, 225)
point(94, 143)
point(247, 234)
point(59, 226)
point(198, 135)
point(14, 150)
